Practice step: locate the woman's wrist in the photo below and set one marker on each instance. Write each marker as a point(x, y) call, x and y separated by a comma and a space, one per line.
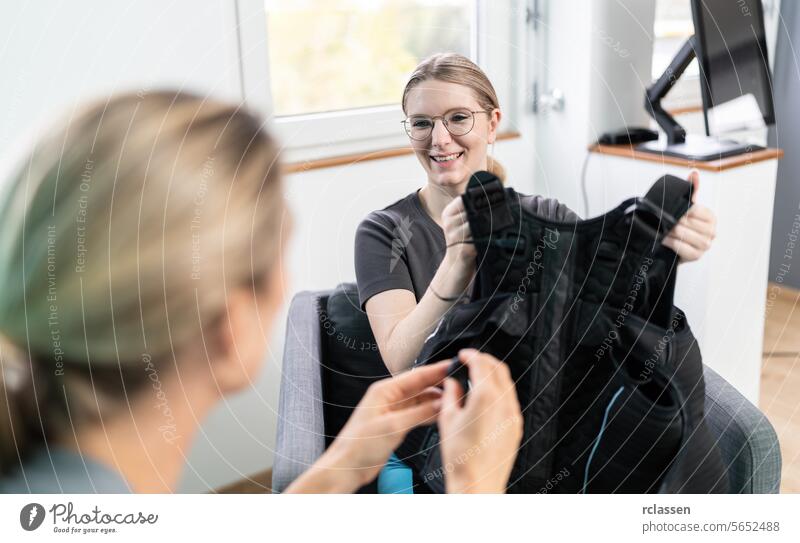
point(463, 482)
point(458, 482)
point(330, 474)
point(451, 279)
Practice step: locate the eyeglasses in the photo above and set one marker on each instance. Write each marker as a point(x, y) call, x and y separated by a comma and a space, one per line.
point(458, 122)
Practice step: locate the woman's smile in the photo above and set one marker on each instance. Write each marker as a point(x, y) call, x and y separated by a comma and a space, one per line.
point(446, 161)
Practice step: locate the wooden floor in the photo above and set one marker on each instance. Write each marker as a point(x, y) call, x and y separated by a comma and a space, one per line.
point(780, 389)
point(780, 378)
point(255, 484)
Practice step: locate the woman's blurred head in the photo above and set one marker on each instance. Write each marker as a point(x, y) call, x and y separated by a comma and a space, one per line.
point(145, 228)
point(452, 86)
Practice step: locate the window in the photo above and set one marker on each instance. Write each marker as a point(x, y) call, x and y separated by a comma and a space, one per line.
point(338, 67)
point(356, 53)
point(673, 26)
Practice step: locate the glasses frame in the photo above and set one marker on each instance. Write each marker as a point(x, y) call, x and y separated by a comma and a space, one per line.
point(405, 122)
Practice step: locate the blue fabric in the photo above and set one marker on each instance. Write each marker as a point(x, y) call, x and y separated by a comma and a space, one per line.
point(395, 478)
point(58, 470)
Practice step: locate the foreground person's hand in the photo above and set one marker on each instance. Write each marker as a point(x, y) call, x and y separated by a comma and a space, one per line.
point(479, 439)
point(380, 422)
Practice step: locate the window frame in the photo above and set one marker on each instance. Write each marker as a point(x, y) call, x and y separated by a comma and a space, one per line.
point(314, 136)
point(685, 93)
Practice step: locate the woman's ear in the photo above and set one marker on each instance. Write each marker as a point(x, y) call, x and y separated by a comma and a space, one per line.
point(494, 121)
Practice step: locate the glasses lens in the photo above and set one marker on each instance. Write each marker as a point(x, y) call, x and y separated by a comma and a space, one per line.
point(460, 122)
point(418, 127)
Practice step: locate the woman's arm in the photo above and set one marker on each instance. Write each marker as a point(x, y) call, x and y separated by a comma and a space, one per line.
point(399, 323)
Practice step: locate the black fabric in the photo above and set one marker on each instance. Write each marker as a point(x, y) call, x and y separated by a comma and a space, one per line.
point(351, 361)
point(582, 313)
point(401, 246)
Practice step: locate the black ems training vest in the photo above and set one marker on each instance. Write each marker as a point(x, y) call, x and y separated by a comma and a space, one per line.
point(607, 371)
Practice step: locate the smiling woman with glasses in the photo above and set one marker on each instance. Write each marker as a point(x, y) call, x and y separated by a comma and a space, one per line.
point(413, 258)
point(458, 122)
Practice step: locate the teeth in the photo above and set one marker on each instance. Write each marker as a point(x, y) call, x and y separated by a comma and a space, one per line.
point(446, 158)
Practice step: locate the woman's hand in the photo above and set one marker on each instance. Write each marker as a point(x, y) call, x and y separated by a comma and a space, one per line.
point(693, 234)
point(459, 259)
point(479, 439)
point(380, 422)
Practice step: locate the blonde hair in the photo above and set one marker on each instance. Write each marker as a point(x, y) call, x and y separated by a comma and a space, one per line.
point(119, 239)
point(455, 68)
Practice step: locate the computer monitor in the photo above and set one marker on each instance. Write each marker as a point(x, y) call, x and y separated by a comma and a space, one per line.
point(734, 71)
point(735, 81)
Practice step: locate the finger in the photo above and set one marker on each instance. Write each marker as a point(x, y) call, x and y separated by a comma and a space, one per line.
point(404, 420)
point(703, 229)
point(461, 233)
point(414, 381)
point(455, 207)
point(707, 228)
point(701, 213)
point(699, 210)
point(694, 179)
point(685, 251)
point(427, 395)
point(454, 221)
point(482, 366)
point(699, 239)
point(451, 396)
point(682, 247)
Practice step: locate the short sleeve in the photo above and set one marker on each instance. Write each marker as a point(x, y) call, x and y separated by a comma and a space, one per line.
point(549, 208)
point(565, 214)
point(381, 261)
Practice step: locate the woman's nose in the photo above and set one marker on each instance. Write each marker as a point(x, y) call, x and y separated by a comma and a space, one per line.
point(439, 134)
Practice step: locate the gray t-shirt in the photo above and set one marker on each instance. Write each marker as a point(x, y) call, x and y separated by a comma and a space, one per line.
point(401, 246)
point(62, 471)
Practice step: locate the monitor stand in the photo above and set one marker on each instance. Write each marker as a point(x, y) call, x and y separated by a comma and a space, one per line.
point(699, 148)
point(678, 143)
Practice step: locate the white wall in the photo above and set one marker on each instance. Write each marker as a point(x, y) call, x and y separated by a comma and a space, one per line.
point(56, 54)
point(599, 54)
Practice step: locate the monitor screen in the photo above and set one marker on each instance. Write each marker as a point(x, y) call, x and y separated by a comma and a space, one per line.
point(734, 71)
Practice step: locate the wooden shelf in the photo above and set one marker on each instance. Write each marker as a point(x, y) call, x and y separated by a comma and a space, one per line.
point(683, 110)
point(627, 151)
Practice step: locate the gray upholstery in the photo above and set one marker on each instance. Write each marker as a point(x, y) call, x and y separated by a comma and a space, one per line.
point(301, 429)
point(746, 439)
